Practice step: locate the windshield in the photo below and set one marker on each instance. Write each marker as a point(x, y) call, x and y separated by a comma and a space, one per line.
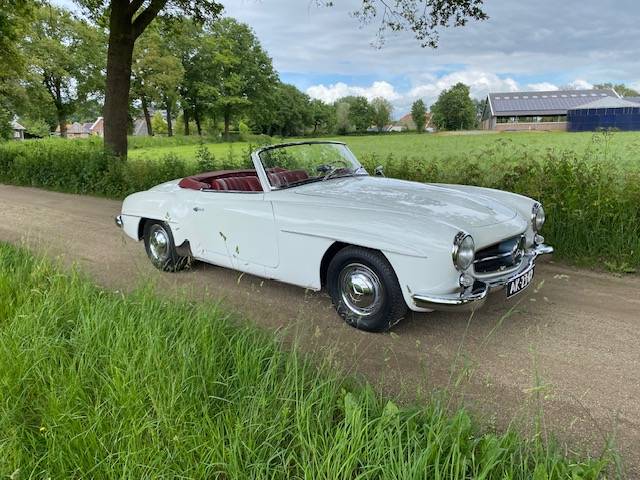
point(292, 165)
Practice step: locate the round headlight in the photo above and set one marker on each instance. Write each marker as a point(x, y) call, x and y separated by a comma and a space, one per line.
point(537, 217)
point(464, 251)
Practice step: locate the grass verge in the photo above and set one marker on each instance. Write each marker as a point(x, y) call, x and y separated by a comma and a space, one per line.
point(95, 384)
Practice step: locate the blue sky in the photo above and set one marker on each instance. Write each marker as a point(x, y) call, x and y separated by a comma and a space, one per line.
point(541, 44)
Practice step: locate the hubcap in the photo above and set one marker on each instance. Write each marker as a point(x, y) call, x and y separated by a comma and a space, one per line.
point(361, 289)
point(159, 243)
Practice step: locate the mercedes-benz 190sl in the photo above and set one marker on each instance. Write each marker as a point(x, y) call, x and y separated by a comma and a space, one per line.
point(309, 214)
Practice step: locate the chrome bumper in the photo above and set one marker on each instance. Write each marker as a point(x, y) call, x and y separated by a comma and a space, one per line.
point(474, 297)
point(118, 220)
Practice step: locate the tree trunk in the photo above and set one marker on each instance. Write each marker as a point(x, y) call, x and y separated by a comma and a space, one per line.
point(119, 59)
point(227, 121)
point(185, 117)
point(196, 118)
point(147, 116)
point(169, 122)
point(62, 122)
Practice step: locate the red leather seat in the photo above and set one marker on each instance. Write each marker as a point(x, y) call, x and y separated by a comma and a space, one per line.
point(237, 184)
point(282, 179)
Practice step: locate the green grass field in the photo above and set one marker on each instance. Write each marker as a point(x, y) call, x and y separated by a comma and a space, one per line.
point(97, 384)
point(623, 147)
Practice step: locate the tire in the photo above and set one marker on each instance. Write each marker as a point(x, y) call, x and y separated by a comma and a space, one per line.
point(365, 290)
point(161, 248)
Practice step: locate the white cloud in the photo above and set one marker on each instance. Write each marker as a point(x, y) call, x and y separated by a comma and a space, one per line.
point(542, 87)
point(331, 93)
point(580, 84)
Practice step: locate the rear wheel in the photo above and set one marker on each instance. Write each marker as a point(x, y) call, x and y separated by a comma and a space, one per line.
point(365, 290)
point(161, 248)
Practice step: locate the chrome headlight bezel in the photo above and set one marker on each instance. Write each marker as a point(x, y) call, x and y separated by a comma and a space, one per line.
point(538, 217)
point(464, 251)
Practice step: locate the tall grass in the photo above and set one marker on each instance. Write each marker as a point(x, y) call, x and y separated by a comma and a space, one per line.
point(592, 199)
point(95, 384)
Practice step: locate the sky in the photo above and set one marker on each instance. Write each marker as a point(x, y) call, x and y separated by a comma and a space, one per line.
point(525, 45)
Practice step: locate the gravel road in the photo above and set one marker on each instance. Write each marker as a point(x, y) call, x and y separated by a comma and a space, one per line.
point(566, 351)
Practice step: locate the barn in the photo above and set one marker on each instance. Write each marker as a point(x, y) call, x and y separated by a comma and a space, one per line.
point(605, 114)
point(513, 111)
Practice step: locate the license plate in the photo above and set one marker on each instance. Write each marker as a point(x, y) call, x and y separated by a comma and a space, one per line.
point(518, 284)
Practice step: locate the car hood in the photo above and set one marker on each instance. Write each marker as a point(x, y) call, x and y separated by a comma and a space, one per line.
point(439, 201)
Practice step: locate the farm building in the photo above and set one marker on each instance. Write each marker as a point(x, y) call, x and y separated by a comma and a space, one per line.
point(18, 130)
point(605, 113)
point(407, 121)
point(536, 110)
point(84, 130)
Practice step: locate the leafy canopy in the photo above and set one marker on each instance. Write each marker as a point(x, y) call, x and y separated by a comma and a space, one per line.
point(454, 109)
point(419, 114)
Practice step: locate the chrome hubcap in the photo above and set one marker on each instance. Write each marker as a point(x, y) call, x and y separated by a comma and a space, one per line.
point(159, 243)
point(361, 289)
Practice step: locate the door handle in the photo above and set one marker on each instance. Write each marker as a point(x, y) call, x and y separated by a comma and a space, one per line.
point(198, 209)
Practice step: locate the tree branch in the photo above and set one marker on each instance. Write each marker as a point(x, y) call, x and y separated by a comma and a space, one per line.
point(146, 17)
point(134, 6)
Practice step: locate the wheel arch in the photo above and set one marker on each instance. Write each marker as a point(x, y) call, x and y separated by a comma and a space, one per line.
point(331, 252)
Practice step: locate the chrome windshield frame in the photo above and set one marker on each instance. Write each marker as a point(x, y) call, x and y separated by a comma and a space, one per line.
point(262, 173)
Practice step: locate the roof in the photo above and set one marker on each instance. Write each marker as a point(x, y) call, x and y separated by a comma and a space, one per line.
point(543, 103)
point(608, 102)
point(16, 126)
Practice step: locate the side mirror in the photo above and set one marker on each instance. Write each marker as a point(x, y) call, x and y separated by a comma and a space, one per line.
point(379, 171)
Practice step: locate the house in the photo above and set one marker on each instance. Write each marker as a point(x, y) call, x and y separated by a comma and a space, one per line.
point(84, 130)
point(409, 124)
point(18, 130)
point(536, 110)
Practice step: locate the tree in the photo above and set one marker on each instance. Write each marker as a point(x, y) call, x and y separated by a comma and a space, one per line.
point(343, 122)
point(156, 75)
point(620, 88)
point(419, 114)
point(381, 110)
point(127, 20)
point(238, 70)
point(64, 55)
point(454, 109)
point(321, 114)
point(360, 114)
point(422, 17)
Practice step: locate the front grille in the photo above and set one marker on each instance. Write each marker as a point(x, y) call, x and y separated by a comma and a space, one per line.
point(500, 256)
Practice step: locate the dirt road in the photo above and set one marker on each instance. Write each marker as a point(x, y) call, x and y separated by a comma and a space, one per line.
point(568, 348)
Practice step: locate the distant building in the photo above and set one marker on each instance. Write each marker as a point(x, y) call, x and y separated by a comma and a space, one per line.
point(536, 110)
point(605, 114)
point(408, 122)
point(18, 130)
point(84, 130)
point(140, 128)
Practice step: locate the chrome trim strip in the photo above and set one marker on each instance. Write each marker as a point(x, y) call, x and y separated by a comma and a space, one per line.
point(473, 298)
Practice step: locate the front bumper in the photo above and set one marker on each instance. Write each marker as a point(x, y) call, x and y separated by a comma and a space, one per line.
point(474, 297)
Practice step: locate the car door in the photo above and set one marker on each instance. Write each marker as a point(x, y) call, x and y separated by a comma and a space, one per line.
point(234, 229)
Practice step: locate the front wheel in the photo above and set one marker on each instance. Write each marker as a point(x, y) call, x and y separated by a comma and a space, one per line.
point(161, 248)
point(365, 290)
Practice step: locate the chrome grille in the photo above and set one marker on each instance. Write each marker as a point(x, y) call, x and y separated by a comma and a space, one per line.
point(500, 256)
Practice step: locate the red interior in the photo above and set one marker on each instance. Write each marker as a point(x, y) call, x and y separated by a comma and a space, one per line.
point(241, 180)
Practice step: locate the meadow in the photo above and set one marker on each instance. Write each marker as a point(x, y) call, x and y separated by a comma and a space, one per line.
point(98, 384)
point(624, 147)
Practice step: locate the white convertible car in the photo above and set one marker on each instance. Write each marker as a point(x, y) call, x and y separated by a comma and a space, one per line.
point(309, 214)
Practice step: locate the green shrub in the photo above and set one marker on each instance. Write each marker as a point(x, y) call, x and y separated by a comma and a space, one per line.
point(95, 384)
